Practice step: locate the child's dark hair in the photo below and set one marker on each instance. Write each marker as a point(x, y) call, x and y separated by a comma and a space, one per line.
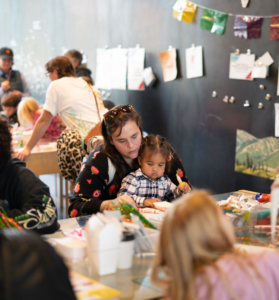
point(156, 144)
point(10, 100)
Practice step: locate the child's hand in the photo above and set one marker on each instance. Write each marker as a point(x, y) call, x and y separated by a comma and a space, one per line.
point(184, 187)
point(149, 202)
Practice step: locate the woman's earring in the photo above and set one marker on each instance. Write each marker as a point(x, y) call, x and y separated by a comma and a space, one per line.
point(111, 142)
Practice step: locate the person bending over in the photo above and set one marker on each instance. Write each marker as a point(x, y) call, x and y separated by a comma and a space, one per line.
point(150, 182)
point(23, 195)
point(196, 259)
point(78, 104)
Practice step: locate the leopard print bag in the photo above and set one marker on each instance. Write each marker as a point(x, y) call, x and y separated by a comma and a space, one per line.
point(70, 154)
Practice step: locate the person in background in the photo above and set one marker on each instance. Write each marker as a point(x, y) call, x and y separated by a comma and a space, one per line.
point(84, 72)
point(23, 195)
point(31, 269)
point(150, 182)
point(78, 104)
point(196, 258)
point(28, 113)
point(75, 58)
point(11, 81)
point(9, 103)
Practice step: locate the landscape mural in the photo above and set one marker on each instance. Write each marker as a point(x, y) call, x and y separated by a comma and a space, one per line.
point(258, 157)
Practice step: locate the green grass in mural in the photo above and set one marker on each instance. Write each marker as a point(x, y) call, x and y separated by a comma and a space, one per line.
point(255, 172)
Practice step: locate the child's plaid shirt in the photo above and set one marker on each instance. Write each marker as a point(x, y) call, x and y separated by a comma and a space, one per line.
point(139, 187)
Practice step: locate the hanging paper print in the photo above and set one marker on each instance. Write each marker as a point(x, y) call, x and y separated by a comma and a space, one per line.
point(274, 28)
point(244, 3)
point(248, 27)
point(213, 21)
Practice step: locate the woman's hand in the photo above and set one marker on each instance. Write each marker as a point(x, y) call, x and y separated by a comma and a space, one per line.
point(111, 204)
point(185, 188)
point(22, 155)
point(150, 202)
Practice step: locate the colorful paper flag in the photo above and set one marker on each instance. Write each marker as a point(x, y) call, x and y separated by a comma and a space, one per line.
point(177, 9)
point(274, 28)
point(213, 21)
point(189, 12)
point(248, 27)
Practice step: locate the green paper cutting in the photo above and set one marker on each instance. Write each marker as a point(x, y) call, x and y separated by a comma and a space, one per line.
point(213, 21)
point(126, 209)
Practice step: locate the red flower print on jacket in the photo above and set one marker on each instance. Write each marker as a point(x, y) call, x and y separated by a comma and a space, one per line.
point(96, 194)
point(112, 190)
point(89, 181)
point(94, 170)
point(106, 181)
point(96, 153)
point(73, 213)
point(170, 157)
point(77, 187)
point(179, 173)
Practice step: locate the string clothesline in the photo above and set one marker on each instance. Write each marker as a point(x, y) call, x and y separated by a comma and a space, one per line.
point(233, 15)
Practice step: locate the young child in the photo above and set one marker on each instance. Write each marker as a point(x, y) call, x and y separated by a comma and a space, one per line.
point(9, 104)
point(28, 113)
point(196, 254)
point(150, 183)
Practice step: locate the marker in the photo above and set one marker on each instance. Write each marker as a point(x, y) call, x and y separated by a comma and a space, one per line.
point(148, 211)
point(145, 254)
point(180, 181)
point(265, 227)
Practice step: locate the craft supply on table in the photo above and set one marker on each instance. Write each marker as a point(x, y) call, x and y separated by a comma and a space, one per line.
point(148, 211)
point(162, 206)
point(72, 250)
point(146, 254)
point(87, 288)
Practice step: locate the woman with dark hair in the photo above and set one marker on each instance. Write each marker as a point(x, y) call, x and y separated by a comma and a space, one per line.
point(78, 104)
point(95, 190)
point(31, 269)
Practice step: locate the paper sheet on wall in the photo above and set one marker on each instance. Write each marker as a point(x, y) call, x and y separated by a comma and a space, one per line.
point(103, 68)
point(241, 66)
point(194, 66)
point(135, 68)
point(278, 82)
point(119, 68)
point(168, 62)
point(276, 106)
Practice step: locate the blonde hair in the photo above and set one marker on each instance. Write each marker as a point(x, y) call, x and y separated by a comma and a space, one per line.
point(192, 237)
point(25, 111)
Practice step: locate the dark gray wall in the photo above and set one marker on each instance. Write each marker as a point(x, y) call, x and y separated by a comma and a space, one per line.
point(202, 129)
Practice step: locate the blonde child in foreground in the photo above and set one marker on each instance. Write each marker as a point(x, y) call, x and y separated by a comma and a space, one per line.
point(197, 256)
